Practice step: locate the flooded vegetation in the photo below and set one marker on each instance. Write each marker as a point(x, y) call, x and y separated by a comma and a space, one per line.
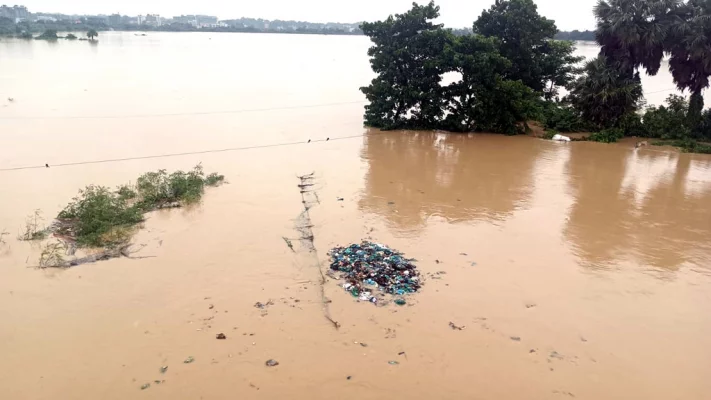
point(549, 270)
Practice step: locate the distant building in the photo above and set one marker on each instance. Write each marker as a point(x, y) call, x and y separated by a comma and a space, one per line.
point(15, 13)
point(206, 21)
point(44, 18)
point(115, 19)
point(153, 20)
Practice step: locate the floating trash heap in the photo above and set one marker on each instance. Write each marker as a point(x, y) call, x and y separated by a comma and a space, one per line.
point(369, 268)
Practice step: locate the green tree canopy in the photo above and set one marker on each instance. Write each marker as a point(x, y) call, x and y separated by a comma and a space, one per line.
point(405, 55)
point(92, 34)
point(524, 36)
point(689, 43)
point(633, 32)
point(604, 94)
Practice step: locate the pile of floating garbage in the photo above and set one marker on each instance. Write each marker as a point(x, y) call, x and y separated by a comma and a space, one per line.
point(369, 268)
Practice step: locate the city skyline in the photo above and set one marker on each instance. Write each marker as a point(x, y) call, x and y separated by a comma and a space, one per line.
point(455, 14)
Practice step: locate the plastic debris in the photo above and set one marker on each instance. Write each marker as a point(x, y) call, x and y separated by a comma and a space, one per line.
point(271, 363)
point(515, 338)
point(369, 267)
point(221, 336)
point(393, 362)
point(400, 302)
point(145, 386)
point(163, 369)
point(188, 360)
point(561, 138)
point(455, 327)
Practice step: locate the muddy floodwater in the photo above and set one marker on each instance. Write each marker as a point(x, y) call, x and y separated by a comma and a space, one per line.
point(576, 270)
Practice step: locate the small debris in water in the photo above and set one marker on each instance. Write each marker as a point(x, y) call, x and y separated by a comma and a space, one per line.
point(455, 327)
point(211, 306)
point(363, 344)
point(271, 363)
point(555, 354)
point(530, 305)
point(157, 382)
point(145, 386)
point(532, 351)
point(349, 377)
point(402, 353)
point(393, 363)
point(515, 338)
point(473, 264)
point(188, 360)
point(221, 336)
point(463, 254)
point(391, 203)
point(400, 302)
point(583, 339)
point(437, 261)
point(163, 369)
point(339, 198)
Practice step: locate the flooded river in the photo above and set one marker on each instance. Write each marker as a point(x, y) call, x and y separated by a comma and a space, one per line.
point(578, 270)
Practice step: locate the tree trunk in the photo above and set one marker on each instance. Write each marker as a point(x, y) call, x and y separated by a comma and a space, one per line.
point(696, 105)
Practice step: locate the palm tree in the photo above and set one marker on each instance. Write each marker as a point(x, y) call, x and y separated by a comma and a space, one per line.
point(604, 94)
point(690, 62)
point(92, 34)
point(633, 32)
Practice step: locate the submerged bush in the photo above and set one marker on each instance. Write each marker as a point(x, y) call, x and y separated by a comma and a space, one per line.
point(561, 117)
point(158, 188)
point(607, 136)
point(668, 122)
point(95, 212)
point(99, 216)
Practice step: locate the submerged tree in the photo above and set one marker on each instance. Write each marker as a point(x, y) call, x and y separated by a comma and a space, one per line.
point(604, 94)
point(405, 55)
point(92, 34)
point(524, 39)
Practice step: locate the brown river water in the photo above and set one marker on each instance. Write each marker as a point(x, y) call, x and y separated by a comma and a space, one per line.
point(578, 270)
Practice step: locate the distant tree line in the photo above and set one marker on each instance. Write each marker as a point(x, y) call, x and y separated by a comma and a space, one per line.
point(576, 35)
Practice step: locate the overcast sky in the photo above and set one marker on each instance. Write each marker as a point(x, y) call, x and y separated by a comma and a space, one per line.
point(568, 14)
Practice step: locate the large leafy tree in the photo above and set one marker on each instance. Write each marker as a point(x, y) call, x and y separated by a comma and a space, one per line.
point(524, 37)
point(477, 61)
point(406, 56)
point(632, 33)
point(689, 43)
point(605, 94)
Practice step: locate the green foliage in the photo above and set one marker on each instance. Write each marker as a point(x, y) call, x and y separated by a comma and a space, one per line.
point(638, 33)
point(49, 34)
point(525, 37)
point(668, 122)
point(126, 192)
point(71, 36)
point(405, 56)
point(686, 145)
point(559, 66)
point(633, 32)
point(410, 54)
point(610, 135)
point(604, 94)
point(25, 35)
point(96, 212)
point(561, 117)
point(158, 188)
point(101, 217)
point(91, 34)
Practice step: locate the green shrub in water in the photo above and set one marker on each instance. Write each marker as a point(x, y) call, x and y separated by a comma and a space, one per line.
point(101, 217)
point(607, 136)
